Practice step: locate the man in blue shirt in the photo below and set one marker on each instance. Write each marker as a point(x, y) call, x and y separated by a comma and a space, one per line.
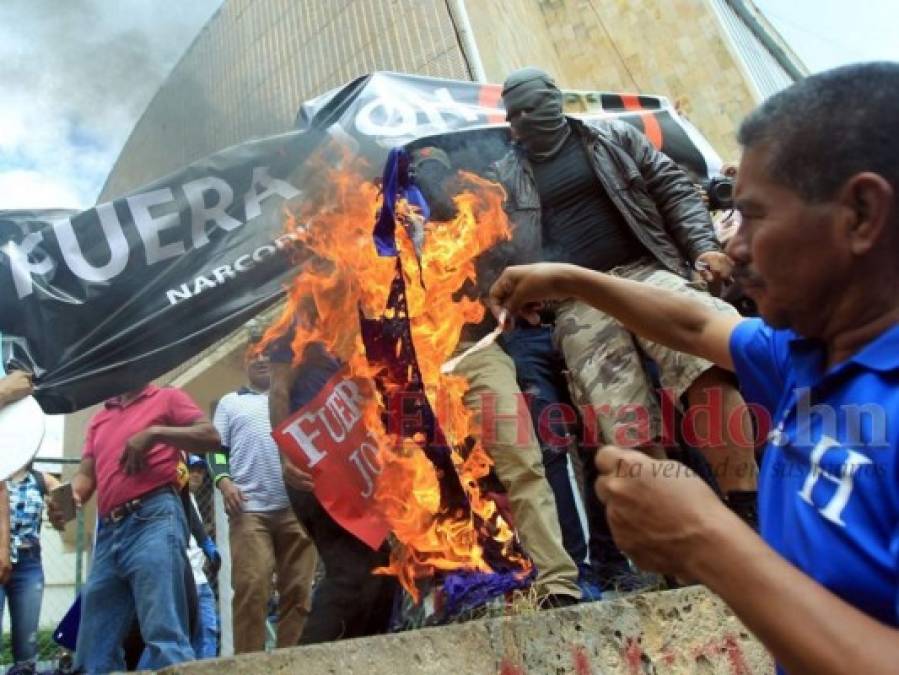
point(818, 191)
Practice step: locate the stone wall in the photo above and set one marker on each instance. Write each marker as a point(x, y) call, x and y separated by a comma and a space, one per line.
point(673, 48)
point(685, 631)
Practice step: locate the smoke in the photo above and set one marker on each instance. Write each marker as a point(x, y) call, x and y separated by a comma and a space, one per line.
point(75, 77)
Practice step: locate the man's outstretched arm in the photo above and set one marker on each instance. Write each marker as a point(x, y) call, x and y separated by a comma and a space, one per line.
point(662, 316)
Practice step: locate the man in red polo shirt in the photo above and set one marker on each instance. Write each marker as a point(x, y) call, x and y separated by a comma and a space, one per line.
point(131, 458)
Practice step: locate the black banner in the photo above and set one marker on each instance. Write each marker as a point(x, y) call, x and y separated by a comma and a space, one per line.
point(103, 300)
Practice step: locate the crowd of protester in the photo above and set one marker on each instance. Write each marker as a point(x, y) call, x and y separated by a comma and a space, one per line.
point(604, 289)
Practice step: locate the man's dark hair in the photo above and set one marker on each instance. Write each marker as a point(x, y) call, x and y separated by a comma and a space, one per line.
point(829, 127)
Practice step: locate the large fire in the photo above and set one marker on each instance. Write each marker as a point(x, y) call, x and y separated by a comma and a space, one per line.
point(343, 274)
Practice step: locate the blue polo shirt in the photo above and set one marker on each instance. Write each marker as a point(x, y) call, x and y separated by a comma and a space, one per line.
point(829, 481)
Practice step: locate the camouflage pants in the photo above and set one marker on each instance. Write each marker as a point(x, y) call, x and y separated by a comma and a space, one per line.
point(607, 370)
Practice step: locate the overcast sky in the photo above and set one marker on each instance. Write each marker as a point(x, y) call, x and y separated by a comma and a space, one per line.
point(830, 33)
point(75, 75)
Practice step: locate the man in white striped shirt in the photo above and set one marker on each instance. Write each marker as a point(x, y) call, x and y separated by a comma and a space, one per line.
point(265, 535)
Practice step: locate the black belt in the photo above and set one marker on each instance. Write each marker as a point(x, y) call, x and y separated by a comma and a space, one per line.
point(547, 319)
point(118, 512)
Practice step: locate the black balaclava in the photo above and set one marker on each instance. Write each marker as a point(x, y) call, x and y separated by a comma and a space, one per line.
point(433, 174)
point(543, 129)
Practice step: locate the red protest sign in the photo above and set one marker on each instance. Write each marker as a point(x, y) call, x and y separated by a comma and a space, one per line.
point(328, 439)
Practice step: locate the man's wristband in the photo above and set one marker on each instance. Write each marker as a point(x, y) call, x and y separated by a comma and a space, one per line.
point(218, 465)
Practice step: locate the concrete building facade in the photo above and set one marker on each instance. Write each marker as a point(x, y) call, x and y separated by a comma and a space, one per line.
point(254, 63)
point(252, 66)
point(682, 49)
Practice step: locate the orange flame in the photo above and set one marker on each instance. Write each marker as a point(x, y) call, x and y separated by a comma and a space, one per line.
point(343, 272)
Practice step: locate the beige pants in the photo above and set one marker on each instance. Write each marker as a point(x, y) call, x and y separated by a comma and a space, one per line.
point(607, 371)
point(519, 465)
point(264, 543)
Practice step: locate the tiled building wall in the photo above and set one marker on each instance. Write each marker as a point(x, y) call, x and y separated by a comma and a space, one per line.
point(512, 34)
point(675, 48)
point(256, 61)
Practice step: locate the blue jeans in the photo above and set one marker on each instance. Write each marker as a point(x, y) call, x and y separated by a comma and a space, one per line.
point(540, 371)
point(206, 633)
point(25, 590)
point(138, 570)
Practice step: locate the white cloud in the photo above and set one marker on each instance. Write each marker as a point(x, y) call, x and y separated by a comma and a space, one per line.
point(22, 189)
point(75, 77)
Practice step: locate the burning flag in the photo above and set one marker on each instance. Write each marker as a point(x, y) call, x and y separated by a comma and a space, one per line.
point(393, 321)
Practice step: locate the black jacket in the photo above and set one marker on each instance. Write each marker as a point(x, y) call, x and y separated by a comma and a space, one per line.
point(657, 200)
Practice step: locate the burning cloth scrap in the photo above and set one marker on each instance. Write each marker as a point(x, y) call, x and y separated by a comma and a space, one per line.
point(389, 343)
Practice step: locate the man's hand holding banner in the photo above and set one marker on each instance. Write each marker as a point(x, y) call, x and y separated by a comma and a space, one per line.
point(328, 438)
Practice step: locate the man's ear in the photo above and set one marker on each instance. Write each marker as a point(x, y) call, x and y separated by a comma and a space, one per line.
point(871, 199)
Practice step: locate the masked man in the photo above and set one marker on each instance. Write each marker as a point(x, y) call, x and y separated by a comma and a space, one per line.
point(604, 198)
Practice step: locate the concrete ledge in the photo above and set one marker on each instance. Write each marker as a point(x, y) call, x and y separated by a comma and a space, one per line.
point(683, 631)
